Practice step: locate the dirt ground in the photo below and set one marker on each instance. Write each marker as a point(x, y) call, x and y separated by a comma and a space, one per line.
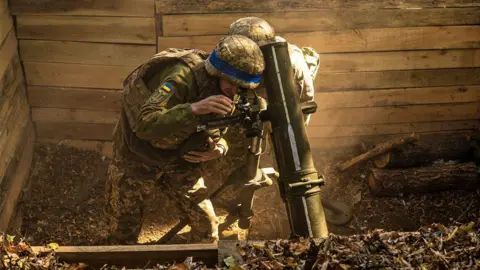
point(66, 200)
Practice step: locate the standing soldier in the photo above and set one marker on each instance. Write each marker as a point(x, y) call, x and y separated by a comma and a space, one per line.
point(155, 139)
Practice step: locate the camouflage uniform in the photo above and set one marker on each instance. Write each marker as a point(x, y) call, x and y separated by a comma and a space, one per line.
point(156, 123)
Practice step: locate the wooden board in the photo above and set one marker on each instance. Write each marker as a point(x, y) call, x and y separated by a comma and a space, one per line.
point(13, 74)
point(74, 98)
point(396, 79)
point(120, 8)
point(74, 115)
point(321, 20)
point(134, 256)
point(381, 129)
point(346, 142)
point(76, 75)
point(95, 29)
point(403, 60)
point(18, 178)
point(397, 97)
point(7, 51)
point(11, 103)
point(85, 53)
point(215, 6)
point(15, 121)
point(78, 131)
point(358, 40)
point(5, 20)
point(400, 114)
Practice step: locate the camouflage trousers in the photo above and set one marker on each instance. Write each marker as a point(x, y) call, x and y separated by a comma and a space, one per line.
point(129, 185)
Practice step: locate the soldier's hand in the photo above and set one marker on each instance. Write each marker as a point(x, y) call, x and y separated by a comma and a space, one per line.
point(218, 104)
point(213, 152)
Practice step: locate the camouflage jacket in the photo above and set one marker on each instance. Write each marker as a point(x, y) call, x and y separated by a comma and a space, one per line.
point(156, 116)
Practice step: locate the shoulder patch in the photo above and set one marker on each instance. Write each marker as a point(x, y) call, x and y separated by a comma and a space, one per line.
point(167, 87)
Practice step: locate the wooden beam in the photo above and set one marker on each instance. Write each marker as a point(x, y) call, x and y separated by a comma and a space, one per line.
point(390, 129)
point(74, 98)
point(7, 51)
point(398, 97)
point(321, 20)
point(84, 52)
point(76, 75)
point(212, 6)
point(396, 79)
point(18, 179)
point(6, 22)
point(77, 131)
point(80, 28)
point(135, 256)
point(119, 8)
point(358, 40)
point(74, 115)
point(403, 60)
point(399, 114)
point(348, 142)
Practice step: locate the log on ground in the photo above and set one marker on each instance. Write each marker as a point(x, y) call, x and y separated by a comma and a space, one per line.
point(426, 150)
point(422, 179)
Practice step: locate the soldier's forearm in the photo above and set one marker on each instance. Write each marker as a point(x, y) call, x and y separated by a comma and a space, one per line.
point(160, 124)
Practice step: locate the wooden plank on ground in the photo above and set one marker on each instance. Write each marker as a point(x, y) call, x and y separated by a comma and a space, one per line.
point(400, 114)
point(74, 98)
point(76, 75)
point(400, 60)
point(97, 256)
point(7, 51)
point(358, 40)
point(18, 179)
point(215, 6)
point(85, 52)
point(6, 22)
point(95, 29)
point(322, 20)
point(386, 129)
point(119, 8)
point(396, 79)
point(398, 97)
point(77, 131)
point(74, 115)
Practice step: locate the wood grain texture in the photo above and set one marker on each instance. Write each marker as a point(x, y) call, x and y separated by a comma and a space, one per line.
point(224, 6)
point(76, 75)
point(396, 79)
point(74, 115)
point(322, 20)
point(6, 22)
point(78, 131)
point(18, 178)
point(80, 28)
point(120, 8)
point(358, 40)
point(74, 98)
point(8, 50)
point(84, 52)
point(400, 114)
point(371, 140)
point(400, 60)
point(389, 129)
point(398, 97)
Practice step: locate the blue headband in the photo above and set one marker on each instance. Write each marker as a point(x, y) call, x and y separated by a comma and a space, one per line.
point(232, 71)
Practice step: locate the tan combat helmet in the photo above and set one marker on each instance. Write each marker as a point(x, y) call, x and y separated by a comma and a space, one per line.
point(238, 60)
point(254, 28)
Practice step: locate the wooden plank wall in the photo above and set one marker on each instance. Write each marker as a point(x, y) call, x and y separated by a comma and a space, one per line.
point(16, 129)
point(76, 55)
point(387, 67)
